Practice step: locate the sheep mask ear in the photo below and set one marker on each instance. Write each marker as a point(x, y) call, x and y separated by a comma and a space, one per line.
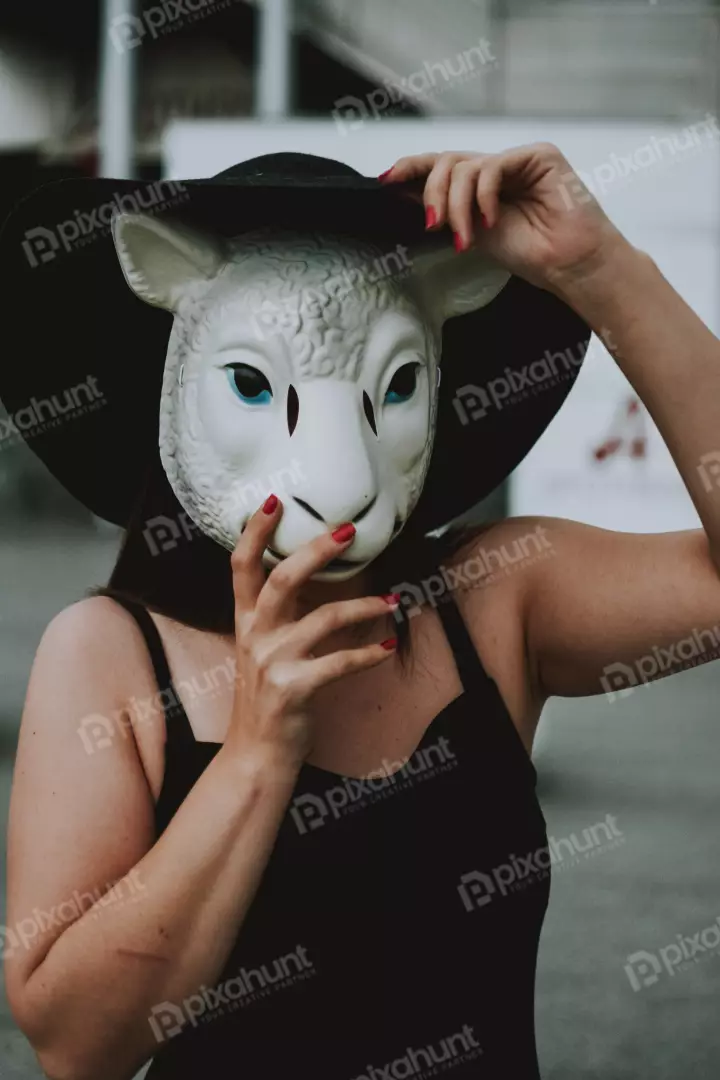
point(452, 283)
point(162, 262)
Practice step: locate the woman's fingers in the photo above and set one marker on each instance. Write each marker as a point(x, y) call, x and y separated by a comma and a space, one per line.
point(437, 187)
point(313, 628)
point(278, 596)
point(487, 190)
point(412, 167)
point(462, 208)
point(438, 171)
point(461, 188)
point(246, 561)
point(318, 672)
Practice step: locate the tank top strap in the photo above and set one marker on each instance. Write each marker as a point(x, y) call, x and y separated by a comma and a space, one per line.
point(499, 724)
point(469, 665)
point(177, 725)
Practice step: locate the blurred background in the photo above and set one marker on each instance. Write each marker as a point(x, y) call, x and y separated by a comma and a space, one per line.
point(629, 91)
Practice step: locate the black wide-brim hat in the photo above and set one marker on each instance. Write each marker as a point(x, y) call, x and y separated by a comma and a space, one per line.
point(83, 360)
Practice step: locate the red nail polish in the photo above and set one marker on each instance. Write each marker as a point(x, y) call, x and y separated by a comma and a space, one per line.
point(430, 217)
point(385, 174)
point(458, 241)
point(343, 533)
point(484, 221)
point(270, 504)
point(391, 598)
point(389, 643)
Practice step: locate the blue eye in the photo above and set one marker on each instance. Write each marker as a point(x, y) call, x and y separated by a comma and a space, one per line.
point(402, 385)
point(249, 384)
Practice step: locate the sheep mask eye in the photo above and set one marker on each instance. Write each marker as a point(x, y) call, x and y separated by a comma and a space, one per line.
point(301, 364)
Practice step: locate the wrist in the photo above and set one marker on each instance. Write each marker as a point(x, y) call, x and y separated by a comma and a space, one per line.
point(251, 760)
point(614, 269)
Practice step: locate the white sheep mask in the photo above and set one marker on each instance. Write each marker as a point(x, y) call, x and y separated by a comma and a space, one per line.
point(302, 364)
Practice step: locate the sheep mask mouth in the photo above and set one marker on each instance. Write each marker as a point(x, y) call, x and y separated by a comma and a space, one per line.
point(303, 364)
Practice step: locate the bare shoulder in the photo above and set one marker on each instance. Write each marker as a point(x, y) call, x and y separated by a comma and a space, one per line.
point(93, 627)
point(92, 659)
point(498, 561)
point(94, 642)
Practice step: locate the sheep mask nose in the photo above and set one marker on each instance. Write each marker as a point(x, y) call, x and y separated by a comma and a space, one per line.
point(301, 364)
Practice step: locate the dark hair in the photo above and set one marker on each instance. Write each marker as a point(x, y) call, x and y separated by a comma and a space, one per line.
point(167, 564)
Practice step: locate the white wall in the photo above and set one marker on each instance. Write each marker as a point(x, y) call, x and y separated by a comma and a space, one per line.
point(669, 205)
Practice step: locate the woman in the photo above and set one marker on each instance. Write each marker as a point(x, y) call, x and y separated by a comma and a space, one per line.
point(272, 908)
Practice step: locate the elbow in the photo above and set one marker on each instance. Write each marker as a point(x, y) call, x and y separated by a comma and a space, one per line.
point(58, 1067)
point(61, 1058)
point(57, 1060)
point(67, 1051)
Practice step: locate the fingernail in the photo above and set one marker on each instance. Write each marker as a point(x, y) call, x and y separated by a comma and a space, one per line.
point(270, 504)
point(384, 175)
point(484, 221)
point(391, 598)
point(430, 217)
point(458, 241)
point(343, 533)
point(389, 643)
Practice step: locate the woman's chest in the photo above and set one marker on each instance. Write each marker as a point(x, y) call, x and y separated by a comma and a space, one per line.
point(454, 835)
point(360, 724)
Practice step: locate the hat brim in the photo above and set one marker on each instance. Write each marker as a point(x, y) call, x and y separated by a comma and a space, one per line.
point(82, 371)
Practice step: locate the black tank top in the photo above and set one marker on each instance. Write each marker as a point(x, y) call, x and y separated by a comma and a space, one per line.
point(395, 930)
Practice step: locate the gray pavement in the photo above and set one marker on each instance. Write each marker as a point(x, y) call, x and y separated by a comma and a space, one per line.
point(640, 774)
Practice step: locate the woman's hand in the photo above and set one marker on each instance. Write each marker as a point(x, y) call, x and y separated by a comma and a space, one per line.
point(277, 673)
point(525, 207)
